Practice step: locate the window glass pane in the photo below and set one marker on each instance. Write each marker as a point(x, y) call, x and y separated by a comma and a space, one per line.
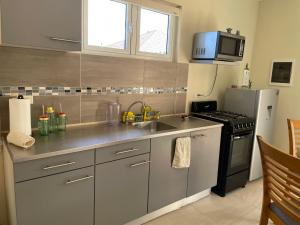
point(107, 24)
point(154, 29)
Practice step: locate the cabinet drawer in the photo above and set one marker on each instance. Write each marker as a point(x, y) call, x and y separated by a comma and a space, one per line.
point(61, 199)
point(43, 167)
point(122, 151)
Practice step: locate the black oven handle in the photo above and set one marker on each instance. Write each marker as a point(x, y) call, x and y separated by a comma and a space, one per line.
point(241, 136)
point(238, 137)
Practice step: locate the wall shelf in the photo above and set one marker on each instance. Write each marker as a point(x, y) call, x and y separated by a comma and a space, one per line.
point(215, 62)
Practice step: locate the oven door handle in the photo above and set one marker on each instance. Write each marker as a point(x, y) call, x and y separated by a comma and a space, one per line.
point(241, 137)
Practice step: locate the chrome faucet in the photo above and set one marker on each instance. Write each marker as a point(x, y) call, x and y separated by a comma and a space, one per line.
point(125, 120)
point(134, 103)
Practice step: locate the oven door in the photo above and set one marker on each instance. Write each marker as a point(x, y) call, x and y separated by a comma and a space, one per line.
point(240, 153)
point(230, 48)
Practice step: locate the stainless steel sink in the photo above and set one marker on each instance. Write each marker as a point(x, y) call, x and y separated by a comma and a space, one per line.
point(153, 126)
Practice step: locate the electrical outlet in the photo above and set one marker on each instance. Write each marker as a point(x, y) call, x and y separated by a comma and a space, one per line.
point(197, 95)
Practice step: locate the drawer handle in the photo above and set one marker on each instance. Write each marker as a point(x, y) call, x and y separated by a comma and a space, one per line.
point(199, 136)
point(58, 166)
point(127, 151)
point(80, 179)
point(140, 164)
point(64, 40)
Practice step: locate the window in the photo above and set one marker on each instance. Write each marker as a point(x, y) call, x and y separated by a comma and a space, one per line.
point(107, 24)
point(116, 26)
point(154, 32)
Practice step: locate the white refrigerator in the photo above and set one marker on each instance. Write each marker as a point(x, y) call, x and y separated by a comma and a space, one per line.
point(258, 104)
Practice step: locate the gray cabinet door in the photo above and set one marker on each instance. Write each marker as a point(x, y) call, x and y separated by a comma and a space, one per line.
point(121, 190)
point(53, 24)
point(166, 184)
point(62, 199)
point(203, 171)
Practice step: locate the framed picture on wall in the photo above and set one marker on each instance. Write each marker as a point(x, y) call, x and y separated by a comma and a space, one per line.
point(282, 72)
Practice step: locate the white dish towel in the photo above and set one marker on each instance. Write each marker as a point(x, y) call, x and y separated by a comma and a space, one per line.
point(20, 139)
point(182, 156)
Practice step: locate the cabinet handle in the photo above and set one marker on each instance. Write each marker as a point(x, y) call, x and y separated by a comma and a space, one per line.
point(199, 136)
point(58, 166)
point(80, 179)
point(140, 164)
point(127, 151)
point(64, 40)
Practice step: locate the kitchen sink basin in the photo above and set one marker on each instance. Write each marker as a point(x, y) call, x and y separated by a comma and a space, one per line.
point(153, 126)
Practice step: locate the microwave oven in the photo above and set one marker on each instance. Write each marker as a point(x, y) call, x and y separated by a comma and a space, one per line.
point(219, 46)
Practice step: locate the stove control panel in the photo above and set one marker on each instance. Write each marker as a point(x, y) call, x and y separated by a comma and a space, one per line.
point(247, 124)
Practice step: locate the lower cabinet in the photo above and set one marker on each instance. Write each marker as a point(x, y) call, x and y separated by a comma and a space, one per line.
point(121, 190)
point(203, 171)
point(61, 199)
point(166, 184)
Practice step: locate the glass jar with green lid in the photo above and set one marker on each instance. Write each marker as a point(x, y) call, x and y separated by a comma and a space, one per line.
point(43, 125)
point(52, 119)
point(61, 121)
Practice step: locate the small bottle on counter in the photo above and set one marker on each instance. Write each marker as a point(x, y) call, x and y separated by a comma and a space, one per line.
point(52, 119)
point(43, 125)
point(61, 121)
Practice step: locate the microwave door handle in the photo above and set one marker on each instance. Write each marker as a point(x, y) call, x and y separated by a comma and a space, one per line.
point(241, 48)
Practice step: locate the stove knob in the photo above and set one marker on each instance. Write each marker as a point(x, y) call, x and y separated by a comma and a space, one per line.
point(240, 125)
point(236, 126)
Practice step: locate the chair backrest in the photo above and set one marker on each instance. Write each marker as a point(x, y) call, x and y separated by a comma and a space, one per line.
point(281, 179)
point(294, 136)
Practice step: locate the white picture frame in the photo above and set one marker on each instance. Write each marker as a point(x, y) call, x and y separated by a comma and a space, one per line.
point(282, 72)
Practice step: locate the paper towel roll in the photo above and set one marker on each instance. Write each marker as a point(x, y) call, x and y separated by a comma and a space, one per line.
point(20, 115)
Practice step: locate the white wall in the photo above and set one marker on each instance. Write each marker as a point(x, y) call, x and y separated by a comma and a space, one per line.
point(278, 37)
point(212, 15)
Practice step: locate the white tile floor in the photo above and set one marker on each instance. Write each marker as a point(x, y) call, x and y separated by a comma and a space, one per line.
point(240, 207)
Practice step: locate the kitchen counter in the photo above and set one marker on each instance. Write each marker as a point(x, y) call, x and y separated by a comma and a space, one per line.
point(86, 137)
point(92, 171)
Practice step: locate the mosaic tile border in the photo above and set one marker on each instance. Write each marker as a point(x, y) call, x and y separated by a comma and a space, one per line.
point(63, 91)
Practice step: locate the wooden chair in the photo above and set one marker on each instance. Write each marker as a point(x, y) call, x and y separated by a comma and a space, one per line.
point(294, 137)
point(281, 197)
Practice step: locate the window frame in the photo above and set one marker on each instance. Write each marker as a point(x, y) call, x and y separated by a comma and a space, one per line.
point(170, 41)
point(128, 32)
point(133, 35)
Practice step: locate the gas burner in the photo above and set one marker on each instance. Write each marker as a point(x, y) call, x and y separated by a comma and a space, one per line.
point(225, 115)
point(234, 121)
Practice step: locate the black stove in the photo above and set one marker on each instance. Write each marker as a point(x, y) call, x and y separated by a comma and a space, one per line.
point(236, 122)
point(235, 148)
